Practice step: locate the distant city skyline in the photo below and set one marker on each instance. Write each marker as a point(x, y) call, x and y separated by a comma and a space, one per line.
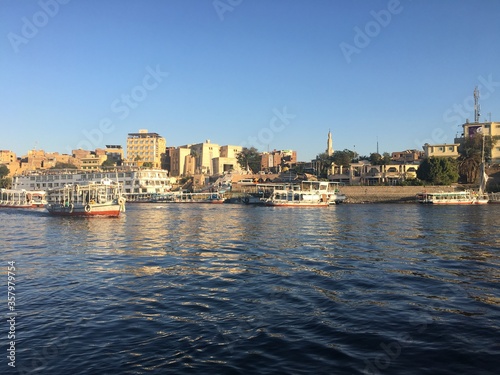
point(273, 75)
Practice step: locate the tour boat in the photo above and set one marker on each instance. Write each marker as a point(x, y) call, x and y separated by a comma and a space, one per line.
point(93, 199)
point(331, 189)
point(294, 196)
point(186, 197)
point(20, 198)
point(457, 197)
point(138, 185)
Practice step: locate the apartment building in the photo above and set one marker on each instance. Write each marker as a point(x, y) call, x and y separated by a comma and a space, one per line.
point(441, 150)
point(145, 147)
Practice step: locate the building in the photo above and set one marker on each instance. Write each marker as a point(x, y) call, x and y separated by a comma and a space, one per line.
point(489, 129)
point(364, 173)
point(228, 159)
point(407, 156)
point(181, 161)
point(115, 154)
point(205, 158)
point(89, 160)
point(275, 160)
point(39, 159)
point(145, 147)
point(204, 153)
point(441, 150)
point(9, 159)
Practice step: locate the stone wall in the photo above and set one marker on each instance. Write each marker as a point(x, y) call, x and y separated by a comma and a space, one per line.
point(388, 194)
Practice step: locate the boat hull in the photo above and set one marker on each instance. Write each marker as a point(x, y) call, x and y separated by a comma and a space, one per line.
point(289, 204)
point(28, 206)
point(112, 210)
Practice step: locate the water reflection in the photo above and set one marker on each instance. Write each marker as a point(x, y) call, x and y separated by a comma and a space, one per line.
point(194, 286)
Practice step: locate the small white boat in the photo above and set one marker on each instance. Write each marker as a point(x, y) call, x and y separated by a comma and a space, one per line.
point(14, 198)
point(93, 199)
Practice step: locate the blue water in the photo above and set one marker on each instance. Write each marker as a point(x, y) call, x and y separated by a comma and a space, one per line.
point(228, 289)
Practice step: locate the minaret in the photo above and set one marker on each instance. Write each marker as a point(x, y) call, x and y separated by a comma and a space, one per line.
point(329, 144)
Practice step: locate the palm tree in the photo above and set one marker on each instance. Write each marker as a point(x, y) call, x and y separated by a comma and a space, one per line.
point(471, 156)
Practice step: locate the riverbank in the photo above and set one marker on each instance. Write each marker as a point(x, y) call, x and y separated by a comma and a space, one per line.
point(388, 194)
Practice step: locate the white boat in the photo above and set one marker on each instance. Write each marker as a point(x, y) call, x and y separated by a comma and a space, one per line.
point(456, 197)
point(331, 189)
point(186, 197)
point(93, 199)
point(494, 198)
point(20, 198)
point(294, 196)
point(138, 185)
point(460, 197)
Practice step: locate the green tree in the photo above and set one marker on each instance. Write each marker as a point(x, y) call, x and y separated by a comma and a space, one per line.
point(249, 158)
point(4, 171)
point(5, 182)
point(323, 163)
point(375, 159)
point(471, 153)
point(108, 163)
point(438, 171)
point(343, 158)
point(147, 164)
point(386, 158)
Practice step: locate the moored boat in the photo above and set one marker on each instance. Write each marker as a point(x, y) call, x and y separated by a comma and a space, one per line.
point(186, 197)
point(331, 189)
point(494, 198)
point(93, 199)
point(456, 197)
point(15, 198)
point(294, 196)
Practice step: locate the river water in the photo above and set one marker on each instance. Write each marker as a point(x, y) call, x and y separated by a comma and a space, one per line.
point(229, 289)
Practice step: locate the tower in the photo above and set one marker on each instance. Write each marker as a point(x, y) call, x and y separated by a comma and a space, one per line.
point(329, 144)
point(477, 107)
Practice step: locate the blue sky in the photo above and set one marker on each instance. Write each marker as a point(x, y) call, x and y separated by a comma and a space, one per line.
point(274, 74)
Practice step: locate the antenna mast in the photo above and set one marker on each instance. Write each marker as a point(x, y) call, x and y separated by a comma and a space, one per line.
point(477, 107)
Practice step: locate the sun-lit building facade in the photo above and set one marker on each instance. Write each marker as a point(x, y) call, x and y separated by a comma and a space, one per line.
point(145, 147)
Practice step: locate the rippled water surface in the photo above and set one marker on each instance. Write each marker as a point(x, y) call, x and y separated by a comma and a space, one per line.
point(229, 289)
